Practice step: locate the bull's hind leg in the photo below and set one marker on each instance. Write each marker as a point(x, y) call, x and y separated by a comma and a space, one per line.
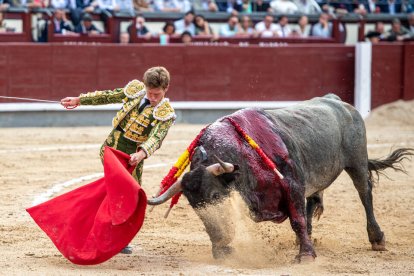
point(364, 187)
point(314, 208)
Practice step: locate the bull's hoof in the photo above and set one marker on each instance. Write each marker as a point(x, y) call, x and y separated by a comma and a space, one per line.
point(222, 252)
point(305, 258)
point(379, 246)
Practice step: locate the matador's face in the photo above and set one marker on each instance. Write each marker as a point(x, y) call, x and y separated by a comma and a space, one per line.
point(155, 95)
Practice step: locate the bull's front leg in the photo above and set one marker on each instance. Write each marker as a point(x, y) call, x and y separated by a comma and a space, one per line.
point(220, 228)
point(297, 217)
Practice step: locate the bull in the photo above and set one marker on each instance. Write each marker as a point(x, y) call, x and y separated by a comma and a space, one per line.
point(311, 143)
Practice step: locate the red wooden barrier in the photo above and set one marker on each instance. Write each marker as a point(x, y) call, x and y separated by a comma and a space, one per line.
point(387, 73)
point(202, 73)
point(408, 85)
point(206, 73)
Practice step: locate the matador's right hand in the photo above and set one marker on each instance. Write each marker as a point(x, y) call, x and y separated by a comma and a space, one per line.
point(70, 102)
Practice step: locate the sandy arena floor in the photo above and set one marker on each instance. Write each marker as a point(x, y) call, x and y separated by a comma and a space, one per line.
point(34, 160)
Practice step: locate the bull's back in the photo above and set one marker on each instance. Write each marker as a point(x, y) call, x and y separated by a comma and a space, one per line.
point(320, 135)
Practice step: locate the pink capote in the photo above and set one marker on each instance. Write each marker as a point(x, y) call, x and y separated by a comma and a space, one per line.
point(91, 224)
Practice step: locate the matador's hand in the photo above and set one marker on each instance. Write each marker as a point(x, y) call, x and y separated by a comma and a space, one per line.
point(137, 157)
point(70, 102)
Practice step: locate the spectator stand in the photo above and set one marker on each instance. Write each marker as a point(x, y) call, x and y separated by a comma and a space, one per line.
point(220, 18)
point(355, 27)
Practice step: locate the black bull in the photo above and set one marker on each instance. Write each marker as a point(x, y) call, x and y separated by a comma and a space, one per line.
point(311, 143)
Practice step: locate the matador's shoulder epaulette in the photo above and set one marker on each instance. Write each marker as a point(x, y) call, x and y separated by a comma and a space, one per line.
point(164, 111)
point(134, 89)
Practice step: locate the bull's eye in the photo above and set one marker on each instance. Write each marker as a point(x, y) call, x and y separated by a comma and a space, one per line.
point(216, 196)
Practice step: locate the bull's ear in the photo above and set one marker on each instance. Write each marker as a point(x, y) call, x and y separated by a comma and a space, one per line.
point(230, 177)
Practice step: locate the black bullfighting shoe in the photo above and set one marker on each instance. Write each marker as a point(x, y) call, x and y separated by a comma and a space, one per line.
point(127, 250)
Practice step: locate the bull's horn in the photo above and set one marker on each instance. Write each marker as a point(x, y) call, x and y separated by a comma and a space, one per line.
point(173, 190)
point(228, 167)
point(220, 168)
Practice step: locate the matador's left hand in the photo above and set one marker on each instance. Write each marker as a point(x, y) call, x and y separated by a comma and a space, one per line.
point(137, 157)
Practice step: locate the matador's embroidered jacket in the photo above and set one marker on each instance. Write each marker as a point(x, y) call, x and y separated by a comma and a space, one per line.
point(148, 128)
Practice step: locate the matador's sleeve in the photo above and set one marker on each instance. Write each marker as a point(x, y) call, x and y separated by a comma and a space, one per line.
point(156, 137)
point(102, 97)
point(132, 90)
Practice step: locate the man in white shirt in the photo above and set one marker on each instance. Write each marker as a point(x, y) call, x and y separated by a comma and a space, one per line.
point(323, 28)
point(232, 27)
point(307, 6)
point(283, 7)
point(283, 28)
point(172, 5)
point(267, 28)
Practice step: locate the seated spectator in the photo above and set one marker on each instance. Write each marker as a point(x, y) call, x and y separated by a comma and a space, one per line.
point(125, 6)
point(411, 24)
point(108, 5)
point(302, 30)
point(267, 28)
point(172, 5)
point(323, 28)
point(2, 24)
point(308, 6)
point(246, 26)
point(142, 6)
point(124, 38)
point(408, 6)
point(397, 32)
point(185, 24)
point(168, 29)
point(261, 6)
point(230, 6)
point(205, 5)
point(343, 7)
point(283, 27)
point(246, 6)
point(63, 4)
point(4, 5)
point(81, 7)
point(142, 30)
point(86, 26)
point(380, 28)
point(283, 7)
point(186, 37)
point(367, 6)
point(232, 27)
point(35, 4)
point(61, 25)
point(373, 36)
point(201, 26)
point(391, 7)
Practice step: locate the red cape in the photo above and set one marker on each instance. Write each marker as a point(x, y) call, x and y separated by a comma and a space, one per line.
point(91, 224)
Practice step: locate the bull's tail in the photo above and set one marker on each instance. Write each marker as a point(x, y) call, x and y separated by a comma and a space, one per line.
point(376, 166)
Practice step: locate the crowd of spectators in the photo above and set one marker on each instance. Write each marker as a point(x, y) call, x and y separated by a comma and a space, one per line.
point(398, 32)
point(197, 25)
point(231, 6)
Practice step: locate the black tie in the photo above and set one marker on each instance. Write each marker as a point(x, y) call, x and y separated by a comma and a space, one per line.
point(141, 108)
